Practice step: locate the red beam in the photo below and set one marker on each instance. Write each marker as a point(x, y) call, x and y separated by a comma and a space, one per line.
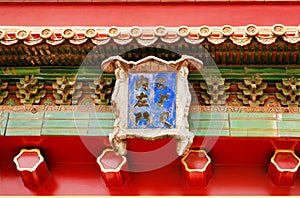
point(80, 14)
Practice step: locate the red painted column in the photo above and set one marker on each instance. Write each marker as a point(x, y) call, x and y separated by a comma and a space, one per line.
point(197, 168)
point(113, 168)
point(32, 168)
point(283, 167)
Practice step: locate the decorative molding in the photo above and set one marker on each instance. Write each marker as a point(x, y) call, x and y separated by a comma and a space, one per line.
point(239, 35)
point(109, 109)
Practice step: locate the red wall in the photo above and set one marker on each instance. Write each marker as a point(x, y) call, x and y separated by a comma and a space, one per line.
point(167, 14)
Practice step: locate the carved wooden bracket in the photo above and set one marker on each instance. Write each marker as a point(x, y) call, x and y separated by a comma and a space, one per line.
point(30, 90)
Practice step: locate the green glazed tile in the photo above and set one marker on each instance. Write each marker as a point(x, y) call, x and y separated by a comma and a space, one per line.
point(67, 115)
point(3, 122)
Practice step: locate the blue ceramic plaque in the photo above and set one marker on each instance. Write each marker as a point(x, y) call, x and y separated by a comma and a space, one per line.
point(152, 100)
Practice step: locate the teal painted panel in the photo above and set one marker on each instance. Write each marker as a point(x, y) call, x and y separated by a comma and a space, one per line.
point(209, 124)
point(27, 124)
point(288, 125)
point(101, 123)
point(69, 124)
point(262, 134)
point(67, 115)
point(289, 116)
point(105, 115)
point(290, 134)
point(208, 116)
point(238, 133)
point(99, 132)
point(23, 132)
point(3, 122)
point(251, 115)
point(253, 133)
point(66, 132)
point(24, 124)
point(253, 124)
point(26, 115)
point(211, 132)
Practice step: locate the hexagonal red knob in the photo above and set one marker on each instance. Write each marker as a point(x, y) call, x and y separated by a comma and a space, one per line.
point(32, 168)
point(113, 168)
point(197, 168)
point(283, 167)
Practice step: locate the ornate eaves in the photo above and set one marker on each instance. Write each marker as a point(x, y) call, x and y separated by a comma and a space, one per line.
point(239, 35)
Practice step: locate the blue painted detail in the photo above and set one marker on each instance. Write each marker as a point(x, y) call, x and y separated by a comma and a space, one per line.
point(152, 100)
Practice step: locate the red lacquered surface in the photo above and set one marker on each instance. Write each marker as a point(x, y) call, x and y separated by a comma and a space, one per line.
point(196, 160)
point(286, 160)
point(28, 159)
point(239, 167)
point(32, 168)
point(151, 14)
point(197, 168)
point(110, 160)
point(283, 168)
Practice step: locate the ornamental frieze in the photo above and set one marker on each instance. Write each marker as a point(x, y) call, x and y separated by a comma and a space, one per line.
point(239, 35)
